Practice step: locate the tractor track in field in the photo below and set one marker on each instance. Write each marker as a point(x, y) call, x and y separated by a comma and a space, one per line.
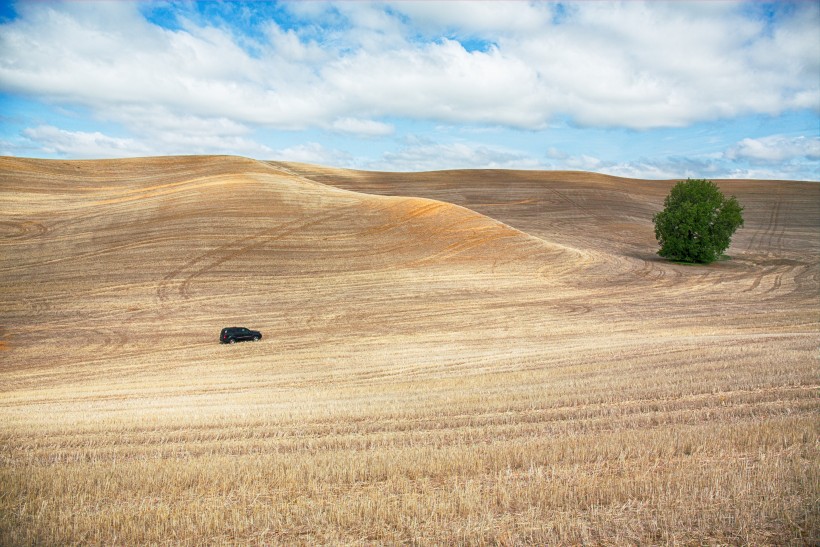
point(168, 246)
point(769, 237)
point(13, 231)
point(468, 352)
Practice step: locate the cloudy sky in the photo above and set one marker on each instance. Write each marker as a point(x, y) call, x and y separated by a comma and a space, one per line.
point(656, 90)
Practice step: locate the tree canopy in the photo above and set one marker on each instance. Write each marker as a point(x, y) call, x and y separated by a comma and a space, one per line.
point(697, 222)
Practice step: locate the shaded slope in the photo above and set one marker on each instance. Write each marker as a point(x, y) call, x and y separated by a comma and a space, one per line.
point(580, 206)
point(775, 256)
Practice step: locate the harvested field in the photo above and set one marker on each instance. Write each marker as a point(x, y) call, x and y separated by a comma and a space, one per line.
point(454, 357)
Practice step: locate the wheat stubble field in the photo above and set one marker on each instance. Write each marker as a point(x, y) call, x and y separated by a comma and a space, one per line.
point(464, 357)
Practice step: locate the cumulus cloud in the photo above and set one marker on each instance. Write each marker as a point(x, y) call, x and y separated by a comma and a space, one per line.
point(639, 168)
point(776, 148)
point(633, 64)
point(427, 155)
point(82, 144)
point(316, 153)
point(208, 83)
point(95, 144)
point(666, 168)
point(488, 18)
point(364, 128)
point(774, 157)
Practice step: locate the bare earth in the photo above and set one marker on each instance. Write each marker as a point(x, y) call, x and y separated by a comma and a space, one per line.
point(461, 357)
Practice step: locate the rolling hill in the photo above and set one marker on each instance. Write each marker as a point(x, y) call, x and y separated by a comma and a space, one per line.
point(457, 356)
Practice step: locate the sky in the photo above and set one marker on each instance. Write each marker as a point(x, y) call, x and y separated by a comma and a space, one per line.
point(659, 90)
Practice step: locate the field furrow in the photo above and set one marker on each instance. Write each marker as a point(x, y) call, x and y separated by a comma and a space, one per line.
point(459, 357)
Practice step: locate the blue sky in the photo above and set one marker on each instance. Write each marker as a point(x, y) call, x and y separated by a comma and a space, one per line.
point(644, 89)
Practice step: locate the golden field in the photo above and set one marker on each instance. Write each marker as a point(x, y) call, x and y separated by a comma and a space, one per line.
point(462, 357)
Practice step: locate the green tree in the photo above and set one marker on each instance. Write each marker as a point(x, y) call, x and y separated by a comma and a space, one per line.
point(697, 222)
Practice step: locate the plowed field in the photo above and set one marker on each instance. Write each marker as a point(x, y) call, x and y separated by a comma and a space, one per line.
point(453, 357)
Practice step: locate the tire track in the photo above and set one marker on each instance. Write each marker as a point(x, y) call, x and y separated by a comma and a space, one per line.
point(13, 232)
point(782, 278)
point(460, 247)
point(768, 233)
point(89, 254)
point(224, 253)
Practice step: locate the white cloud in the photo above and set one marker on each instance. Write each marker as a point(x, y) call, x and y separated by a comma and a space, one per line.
point(651, 65)
point(668, 168)
point(315, 153)
point(424, 155)
point(776, 148)
point(556, 154)
point(155, 142)
point(81, 144)
point(661, 166)
point(440, 81)
point(363, 128)
point(346, 68)
point(157, 121)
point(479, 18)
point(583, 162)
point(770, 158)
point(634, 64)
point(70, 54)
point(290, 46)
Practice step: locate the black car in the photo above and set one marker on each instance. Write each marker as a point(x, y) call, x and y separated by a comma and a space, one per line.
point(232, 335)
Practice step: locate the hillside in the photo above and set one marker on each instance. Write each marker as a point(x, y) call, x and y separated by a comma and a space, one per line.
point(774, 258)
point(460, 356)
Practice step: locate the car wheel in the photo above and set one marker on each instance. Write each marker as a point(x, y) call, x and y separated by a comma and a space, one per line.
point(232, 341)
point(255, 338)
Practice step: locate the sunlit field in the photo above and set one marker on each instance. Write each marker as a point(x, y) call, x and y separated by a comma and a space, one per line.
point(463, 357)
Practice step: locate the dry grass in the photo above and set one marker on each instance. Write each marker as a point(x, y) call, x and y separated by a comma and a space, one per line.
point(428, 375)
